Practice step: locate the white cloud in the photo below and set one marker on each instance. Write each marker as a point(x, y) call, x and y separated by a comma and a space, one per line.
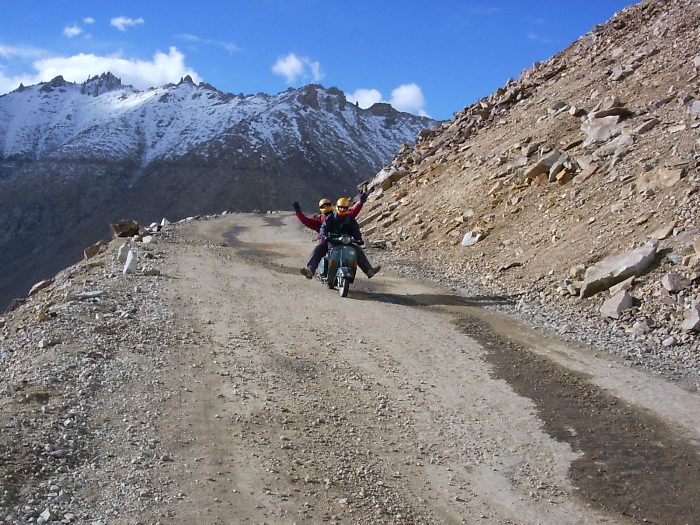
point(161, 69)
point(364, 97)
point(409, 98)
point(71, 31)
point(22, 52)
point(88, 20)
point(228, 46)
point(293, 68)
point(406, 97)
point(316, 74)
point(122, 22)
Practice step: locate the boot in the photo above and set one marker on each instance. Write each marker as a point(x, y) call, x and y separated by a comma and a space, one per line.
point(373, 271)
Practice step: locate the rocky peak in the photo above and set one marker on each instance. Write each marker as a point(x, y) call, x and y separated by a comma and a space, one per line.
point(56, 82)
point(100, 84)
point(382, 109)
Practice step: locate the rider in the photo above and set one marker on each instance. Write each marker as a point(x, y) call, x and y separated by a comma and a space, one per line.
point(326, 209)
point(339, 223)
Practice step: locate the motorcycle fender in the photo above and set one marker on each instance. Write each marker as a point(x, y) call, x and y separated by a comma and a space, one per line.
point(347, 273)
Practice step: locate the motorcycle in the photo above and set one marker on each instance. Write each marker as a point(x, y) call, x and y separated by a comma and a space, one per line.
point(339, 267)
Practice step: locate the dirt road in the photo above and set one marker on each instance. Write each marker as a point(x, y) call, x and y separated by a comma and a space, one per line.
point(399, 404)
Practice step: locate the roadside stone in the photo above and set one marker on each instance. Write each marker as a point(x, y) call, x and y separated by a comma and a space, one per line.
point(617, 147)
point(166, 222)
point(674, 282)
point(125, 228)
point(627, 284)
point(617, 304)
point(661, 178)
point(695, 108)
point(600, 129)
point(669, 342)
point(645, 126)
point(640, 328)
point(691, 319)
point(41, 285)
point(586, 174)
point(94, 249)
point(612, 270)
point(472, 237)
point(663, 232)
point(544, 165)
point(131, 263)
point(122, 253)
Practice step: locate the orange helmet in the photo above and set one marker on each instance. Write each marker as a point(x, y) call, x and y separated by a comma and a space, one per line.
point(325, 207)
point(342, 206)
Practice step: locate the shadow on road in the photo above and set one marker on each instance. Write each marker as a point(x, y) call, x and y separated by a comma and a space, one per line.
point(426, 299)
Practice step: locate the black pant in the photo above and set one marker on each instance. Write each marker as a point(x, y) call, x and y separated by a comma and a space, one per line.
point(321, 249)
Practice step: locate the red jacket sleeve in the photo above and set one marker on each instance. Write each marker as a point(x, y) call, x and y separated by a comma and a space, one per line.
point(356, 208)
point(310, 222)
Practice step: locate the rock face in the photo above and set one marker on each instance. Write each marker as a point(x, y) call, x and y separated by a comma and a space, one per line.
point(96, 152)
point(607, 272)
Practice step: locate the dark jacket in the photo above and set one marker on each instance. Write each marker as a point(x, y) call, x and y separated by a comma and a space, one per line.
point(335, 226)
point(315, 222)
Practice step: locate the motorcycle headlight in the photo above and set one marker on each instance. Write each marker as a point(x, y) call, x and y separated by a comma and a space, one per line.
point(345, 239)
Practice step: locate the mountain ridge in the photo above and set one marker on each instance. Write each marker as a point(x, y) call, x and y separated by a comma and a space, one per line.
point(76, 156)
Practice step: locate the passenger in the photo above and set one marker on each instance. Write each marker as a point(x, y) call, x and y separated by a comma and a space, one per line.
point(325, 208)
point(339, 223)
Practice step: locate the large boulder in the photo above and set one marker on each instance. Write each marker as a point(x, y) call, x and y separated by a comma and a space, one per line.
point(603, 274)
point(125, 228)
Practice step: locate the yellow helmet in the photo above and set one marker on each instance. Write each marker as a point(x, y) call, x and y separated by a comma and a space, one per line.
point(342, 206)
point(325, 207)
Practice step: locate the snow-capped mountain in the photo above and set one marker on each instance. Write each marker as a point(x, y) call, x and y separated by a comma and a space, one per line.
point(103, 120)
point(74, 157)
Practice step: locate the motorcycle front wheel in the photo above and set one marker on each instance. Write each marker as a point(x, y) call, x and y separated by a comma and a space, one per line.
point(343, 287)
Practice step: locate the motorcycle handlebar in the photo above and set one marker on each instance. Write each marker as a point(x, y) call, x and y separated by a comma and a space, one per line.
point(338, 240)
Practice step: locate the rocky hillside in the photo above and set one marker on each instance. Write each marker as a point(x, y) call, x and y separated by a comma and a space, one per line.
point(74, 157)
point(579, 175)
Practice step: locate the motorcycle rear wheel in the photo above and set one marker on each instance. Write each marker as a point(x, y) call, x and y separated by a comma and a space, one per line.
point(343, 287)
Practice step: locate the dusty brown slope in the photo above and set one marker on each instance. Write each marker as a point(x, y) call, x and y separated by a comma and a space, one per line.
point(620, 109)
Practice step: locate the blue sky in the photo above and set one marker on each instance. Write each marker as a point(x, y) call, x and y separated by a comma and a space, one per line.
point(427, 57)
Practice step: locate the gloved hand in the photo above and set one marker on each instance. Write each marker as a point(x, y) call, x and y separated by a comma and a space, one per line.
point(363, 197)
point(296, 207)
